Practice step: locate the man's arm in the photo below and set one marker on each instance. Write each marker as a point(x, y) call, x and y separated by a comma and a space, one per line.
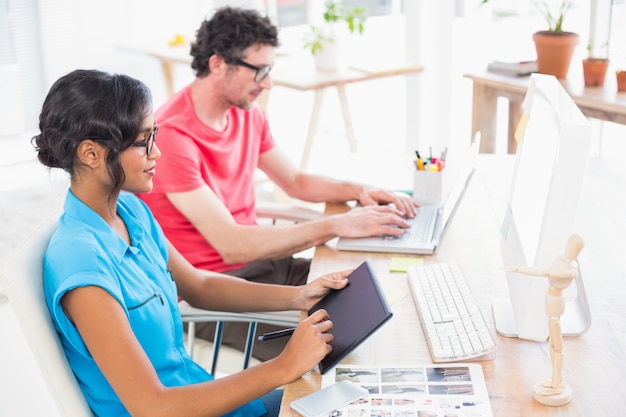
point(315, 188)
point(244, 243)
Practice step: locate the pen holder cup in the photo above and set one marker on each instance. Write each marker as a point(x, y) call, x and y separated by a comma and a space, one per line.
point(428, 187)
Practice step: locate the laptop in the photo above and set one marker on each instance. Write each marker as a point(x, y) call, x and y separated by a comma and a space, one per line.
point(429, 226)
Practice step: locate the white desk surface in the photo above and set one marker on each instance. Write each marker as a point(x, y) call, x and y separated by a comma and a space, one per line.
point(594, 363)
point(291, 71)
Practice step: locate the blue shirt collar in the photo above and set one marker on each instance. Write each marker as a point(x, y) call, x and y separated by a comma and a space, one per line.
point(79, 211)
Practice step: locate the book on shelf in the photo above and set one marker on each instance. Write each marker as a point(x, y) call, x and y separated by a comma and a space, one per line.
point(513, 68)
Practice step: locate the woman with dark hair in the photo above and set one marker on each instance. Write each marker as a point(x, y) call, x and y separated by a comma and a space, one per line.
point(112, 280)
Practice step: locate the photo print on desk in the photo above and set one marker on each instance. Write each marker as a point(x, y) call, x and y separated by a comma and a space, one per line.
point(414, 391)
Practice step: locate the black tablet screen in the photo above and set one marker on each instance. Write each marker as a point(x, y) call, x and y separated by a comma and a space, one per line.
point(356, 311)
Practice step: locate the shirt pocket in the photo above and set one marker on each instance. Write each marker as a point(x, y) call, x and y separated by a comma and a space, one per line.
point(151, 319)
point(156, 296)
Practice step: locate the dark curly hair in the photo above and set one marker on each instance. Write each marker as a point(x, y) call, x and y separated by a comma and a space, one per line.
point(228, 33)
point(91, 104)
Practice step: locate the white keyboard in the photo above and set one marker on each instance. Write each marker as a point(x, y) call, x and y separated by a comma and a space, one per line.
point(454, 327)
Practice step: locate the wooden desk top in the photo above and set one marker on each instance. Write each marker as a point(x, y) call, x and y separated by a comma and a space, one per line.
point(594, 364)
point(606, 99)
point(289, 71)
point(293, 74)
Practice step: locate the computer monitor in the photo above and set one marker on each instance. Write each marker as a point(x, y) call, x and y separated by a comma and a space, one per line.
point(553, 147)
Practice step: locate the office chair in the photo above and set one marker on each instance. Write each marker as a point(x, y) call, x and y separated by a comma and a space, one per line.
point(285, 212)
point(192, 315)
point(21, 277)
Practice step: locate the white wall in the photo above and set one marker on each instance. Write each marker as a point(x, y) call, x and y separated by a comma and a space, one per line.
point(11, 105)
point(429, 43)
point(86, 34)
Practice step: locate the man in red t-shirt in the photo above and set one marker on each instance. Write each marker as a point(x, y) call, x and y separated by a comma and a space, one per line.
point(212, 138)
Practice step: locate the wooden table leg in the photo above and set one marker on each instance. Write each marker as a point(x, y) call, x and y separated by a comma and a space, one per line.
point(343, 100)
point(168, 73)
point(317, 104)
point(484, 112)
point(515, 115)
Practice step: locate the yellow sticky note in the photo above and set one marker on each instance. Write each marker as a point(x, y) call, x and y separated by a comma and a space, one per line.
point(401, 263)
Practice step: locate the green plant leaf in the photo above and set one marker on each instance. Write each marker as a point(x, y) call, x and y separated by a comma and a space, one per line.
point(334, 12)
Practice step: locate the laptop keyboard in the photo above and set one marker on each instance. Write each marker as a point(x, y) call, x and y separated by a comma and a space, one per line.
point(454, 327)
point(422, 226)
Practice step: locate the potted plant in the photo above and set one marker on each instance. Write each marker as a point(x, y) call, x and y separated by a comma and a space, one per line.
point(620, 75)
point(595, 66)
point(322, 40)
point(554, 46)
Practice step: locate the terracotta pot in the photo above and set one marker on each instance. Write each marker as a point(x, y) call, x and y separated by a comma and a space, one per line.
point(621, 80)
point(554, 52)
point(594, 71)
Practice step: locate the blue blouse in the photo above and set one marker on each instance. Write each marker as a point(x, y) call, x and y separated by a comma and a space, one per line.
point(85, 251)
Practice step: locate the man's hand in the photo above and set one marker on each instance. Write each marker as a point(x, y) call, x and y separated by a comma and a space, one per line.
point(405, 204)
point(370, 221)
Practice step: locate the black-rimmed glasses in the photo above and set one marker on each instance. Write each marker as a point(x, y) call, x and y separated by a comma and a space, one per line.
point(148, 143)
point(261, 72)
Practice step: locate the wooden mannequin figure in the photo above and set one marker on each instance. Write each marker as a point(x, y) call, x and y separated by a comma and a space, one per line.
point(562, 272)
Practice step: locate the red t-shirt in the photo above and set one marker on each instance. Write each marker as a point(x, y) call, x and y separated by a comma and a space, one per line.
point(194, 154)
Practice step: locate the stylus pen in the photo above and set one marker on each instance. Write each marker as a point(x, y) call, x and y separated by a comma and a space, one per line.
point(277, 333)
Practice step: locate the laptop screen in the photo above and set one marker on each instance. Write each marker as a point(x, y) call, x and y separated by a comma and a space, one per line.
point(459, 186)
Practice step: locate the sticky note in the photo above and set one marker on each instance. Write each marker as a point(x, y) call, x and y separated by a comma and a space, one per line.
point(401, 263)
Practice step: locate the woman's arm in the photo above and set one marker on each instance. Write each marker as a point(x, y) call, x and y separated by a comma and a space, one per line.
point(215, 291)
point(105, 329)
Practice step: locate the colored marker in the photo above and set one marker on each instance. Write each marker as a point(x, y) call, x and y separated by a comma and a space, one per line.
point(420, 163)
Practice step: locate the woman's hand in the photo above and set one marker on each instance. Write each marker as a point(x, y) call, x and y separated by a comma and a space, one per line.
point(315, 290)
point(308, 345)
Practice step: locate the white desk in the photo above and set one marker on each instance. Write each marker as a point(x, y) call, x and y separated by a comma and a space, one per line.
point(594, 363)
point(290, 73)
point(604, 103)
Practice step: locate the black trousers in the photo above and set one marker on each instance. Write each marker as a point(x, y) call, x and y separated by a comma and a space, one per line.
point(286, 271)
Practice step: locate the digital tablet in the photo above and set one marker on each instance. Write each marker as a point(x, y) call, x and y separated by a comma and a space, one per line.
point(357, 311)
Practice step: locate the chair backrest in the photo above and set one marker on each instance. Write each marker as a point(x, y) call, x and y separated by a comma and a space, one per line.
point(22, 279)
